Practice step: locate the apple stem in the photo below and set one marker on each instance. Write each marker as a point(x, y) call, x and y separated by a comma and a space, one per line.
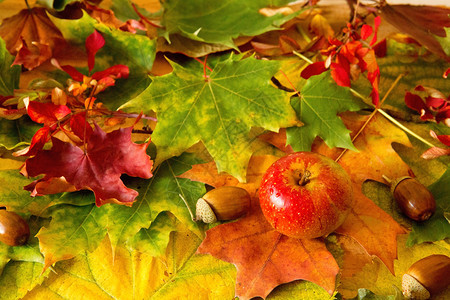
point(305, 178)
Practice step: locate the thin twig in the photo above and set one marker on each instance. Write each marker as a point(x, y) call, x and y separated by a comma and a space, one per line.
point(372, 114)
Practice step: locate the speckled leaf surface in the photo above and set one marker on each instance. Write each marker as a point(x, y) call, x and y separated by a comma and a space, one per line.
point(437, 227)
point(137, 275)
point(154, 239)
point(72, 230)
point(16, 133)
point(15, 198)
point(19, 278)
point(76, 228)
point(28, 252)
point(218, 110)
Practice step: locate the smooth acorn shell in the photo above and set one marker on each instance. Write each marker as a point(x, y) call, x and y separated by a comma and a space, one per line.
point(228, 202)
point(432, 272)
point(414, 199)
point(14, 230)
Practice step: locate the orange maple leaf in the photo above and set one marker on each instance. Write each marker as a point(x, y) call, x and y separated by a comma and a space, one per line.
point(31, 36)
point(265, 258)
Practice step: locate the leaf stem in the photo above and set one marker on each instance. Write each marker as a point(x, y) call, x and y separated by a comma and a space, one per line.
point(357, 94)
point(407, 130)
point(189, 209)
point(373, 113)
point(302, 57)
point(391, 88)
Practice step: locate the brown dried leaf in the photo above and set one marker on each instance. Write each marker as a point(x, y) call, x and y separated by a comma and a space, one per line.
point(423, 23)
point(32, 35)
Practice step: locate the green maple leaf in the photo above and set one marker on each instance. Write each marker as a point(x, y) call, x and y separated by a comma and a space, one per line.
point(73, 229)
point(9, 76)
point(219, 23)
point(219, 110)
point(15, 198)
point(127, 274)
point(321, 99)
point(77, 227)
point(435, 175)
point(157, 194)
point(15, 134)
point(154, 240)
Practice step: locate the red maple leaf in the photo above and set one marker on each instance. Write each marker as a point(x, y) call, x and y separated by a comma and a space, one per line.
point(48, 114)
point(98, 167)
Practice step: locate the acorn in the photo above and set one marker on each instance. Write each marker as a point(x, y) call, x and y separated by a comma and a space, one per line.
point(413, 198)
point(14, 230)
point(221, 204)
point(426, 277)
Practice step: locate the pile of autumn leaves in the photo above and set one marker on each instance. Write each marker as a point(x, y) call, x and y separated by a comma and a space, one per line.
point(82, 157)
point(79, 146)
point(85, 155)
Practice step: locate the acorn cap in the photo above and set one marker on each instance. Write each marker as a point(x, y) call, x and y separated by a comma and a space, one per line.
point(426, 277)
point(413, 289)
point(204, 212)
point(393, 183)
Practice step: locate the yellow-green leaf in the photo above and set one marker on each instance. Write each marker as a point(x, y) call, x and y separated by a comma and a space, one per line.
point(217, 108)
point(180, 274)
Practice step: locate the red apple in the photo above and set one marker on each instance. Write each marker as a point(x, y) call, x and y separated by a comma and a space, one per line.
point(305, 195)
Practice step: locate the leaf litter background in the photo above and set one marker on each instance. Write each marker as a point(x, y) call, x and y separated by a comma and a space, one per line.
point(149, 250)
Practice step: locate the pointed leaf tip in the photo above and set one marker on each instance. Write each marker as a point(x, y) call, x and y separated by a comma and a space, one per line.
point(94, 42)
